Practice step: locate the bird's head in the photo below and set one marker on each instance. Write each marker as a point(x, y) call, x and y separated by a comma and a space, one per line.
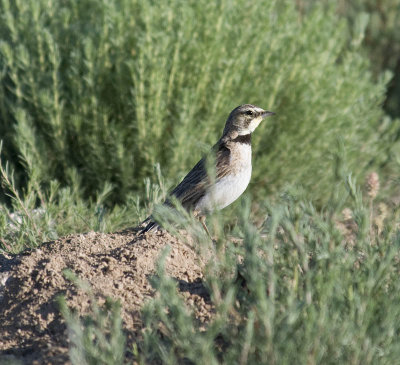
point(243, 120)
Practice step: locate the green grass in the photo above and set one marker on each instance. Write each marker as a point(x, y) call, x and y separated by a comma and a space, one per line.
point(37, 215)
point(312, 293)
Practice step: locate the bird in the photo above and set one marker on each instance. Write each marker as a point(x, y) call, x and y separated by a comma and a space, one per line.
point(232, 155)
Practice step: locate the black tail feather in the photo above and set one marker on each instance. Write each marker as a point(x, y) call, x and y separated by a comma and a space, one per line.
point(151, 225)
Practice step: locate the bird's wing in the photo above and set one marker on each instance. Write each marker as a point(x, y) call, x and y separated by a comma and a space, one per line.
point(196, 182)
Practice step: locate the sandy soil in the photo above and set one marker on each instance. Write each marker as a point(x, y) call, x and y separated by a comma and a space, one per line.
point(116, 265)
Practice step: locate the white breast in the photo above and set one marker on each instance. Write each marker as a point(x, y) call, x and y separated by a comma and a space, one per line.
point(230, 187)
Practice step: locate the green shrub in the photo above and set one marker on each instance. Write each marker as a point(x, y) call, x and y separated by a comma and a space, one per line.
point(303, 289)
point(63, 209)
point(382, 41)
point(108, 88)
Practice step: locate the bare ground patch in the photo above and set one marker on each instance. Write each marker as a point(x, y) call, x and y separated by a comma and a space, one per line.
point(116, 265)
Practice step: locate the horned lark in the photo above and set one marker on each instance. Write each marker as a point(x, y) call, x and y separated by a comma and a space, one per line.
point(232, 154)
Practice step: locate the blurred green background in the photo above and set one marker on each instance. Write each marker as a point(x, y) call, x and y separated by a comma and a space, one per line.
point(94, 94)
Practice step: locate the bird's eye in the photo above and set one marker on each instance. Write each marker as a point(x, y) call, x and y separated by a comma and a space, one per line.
point(249, 112)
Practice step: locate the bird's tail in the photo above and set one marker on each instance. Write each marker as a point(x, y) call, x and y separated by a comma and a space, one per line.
point(150, 225)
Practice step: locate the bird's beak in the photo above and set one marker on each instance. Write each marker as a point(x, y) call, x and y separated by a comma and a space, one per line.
point(266, 113)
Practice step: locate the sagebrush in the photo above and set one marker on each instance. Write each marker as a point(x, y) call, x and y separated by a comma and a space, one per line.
point(108, 88)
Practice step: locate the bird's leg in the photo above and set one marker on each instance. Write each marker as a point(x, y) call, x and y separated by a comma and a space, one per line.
point(203, 223)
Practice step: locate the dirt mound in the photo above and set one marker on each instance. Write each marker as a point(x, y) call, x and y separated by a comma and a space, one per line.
point(116, 265)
